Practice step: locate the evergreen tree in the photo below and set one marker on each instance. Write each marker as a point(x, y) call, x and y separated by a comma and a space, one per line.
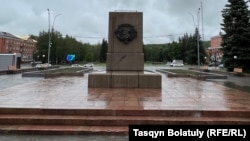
point(236, 40)
point(103, 51)
point(189, 49)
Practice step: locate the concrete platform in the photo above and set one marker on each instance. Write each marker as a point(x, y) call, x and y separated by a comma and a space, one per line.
point(125, 79)
point(73, 93)
point(67, 106)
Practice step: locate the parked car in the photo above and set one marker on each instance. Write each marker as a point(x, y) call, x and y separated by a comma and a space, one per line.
point(89, 65)
point(47, 65)
point(43, 65)
point(38, 65)
point(76, 65)
point(221, 66)
point(177, 63)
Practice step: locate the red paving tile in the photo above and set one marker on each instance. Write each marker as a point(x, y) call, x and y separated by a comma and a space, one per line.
point(73, 93)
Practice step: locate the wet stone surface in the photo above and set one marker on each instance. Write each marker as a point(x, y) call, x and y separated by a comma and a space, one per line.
point(73, 93)
point(14, 137)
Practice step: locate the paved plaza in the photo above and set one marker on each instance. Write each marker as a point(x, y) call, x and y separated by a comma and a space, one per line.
point(73, 93)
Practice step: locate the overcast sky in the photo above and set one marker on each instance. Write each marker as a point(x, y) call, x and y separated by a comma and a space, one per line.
point(87, 20)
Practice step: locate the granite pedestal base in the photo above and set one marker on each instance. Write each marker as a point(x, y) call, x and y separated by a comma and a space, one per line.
point(124, 79)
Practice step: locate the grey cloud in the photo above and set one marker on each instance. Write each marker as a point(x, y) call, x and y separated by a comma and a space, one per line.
point(89, 18)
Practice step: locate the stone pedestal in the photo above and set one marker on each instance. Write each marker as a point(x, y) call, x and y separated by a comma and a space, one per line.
point(125, 79)
point(125, 62)
point(125, 57)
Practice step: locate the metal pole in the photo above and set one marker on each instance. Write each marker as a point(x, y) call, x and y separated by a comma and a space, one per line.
point(50, 33)
point(203, 38)
point(198, 43)
point(53, 30)
point(192, 18)
point(49, 37)
point(54, 21)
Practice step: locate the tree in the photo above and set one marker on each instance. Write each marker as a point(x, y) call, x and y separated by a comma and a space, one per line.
point(236, 40)
point(187, 49)
point(62, 46)
point(42, 46)
point(103, 51)
point(202, 52)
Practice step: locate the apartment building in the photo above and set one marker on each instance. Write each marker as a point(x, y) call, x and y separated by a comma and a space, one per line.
point(214, 51)
point(24, 45)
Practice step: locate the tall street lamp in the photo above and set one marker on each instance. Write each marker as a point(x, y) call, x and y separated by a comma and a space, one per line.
point(235, 58)
point(197, 28)
point(49, 37)
point(50, 33)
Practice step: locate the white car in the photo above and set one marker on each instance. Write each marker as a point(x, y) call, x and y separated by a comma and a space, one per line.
point(221, 65)
point(177, 63)
point(89, 65)
point(43, 65)
point(75, 65)
point(38, 65)
point(47, 65)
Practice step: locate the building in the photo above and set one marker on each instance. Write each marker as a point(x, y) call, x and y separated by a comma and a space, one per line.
point(10, 43)
point(27, 49)
point(214, 51)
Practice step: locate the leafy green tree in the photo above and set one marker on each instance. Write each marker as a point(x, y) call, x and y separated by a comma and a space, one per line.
point(42, 46)
point(236, 40)
point(56, 39)
point(62, 46)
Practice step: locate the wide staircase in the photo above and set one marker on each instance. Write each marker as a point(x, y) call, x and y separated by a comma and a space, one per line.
point(107, 121)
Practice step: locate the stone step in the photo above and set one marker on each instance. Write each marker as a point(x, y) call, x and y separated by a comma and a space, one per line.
point(119, 112)
point(18, 119)
point(108, 121)
point(63, 130)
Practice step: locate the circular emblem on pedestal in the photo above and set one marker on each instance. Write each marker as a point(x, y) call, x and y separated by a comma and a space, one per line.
point(125, 33)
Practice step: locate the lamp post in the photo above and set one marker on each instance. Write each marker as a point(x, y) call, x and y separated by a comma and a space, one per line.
point(197, 28)
point(54, 22)
point(53, 30)
point(49, 36)
point(235, 58)
point(50, 33)
point(44, 58)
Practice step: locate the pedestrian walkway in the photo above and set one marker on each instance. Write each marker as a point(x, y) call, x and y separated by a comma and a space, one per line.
point(73, 93)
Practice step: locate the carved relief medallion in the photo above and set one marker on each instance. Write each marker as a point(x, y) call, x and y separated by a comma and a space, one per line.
point(125, 33)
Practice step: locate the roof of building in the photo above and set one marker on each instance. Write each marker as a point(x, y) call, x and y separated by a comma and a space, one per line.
point(11, 36)
point(7, 35)
point(26, 37)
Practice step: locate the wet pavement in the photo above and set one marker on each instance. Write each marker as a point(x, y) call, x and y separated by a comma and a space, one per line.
point(61, 138)
point(73, 93)
point(234, 82)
